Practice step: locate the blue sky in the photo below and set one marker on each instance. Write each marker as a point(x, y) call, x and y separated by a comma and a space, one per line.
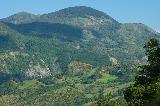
point(125, 11)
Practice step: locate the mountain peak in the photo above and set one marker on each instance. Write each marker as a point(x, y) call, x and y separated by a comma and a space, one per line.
point(77, 11)
point(20, 17)
point(23, 13)
point(70, 12)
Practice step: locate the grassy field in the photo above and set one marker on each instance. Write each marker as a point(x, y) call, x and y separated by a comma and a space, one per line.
point(107, 78)
point(28, 84)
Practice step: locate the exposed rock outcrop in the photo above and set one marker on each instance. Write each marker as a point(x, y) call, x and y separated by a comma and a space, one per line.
point(35, 71)
point(114, 61)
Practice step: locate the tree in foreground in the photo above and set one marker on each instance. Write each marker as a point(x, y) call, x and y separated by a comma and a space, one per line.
point(146, 89)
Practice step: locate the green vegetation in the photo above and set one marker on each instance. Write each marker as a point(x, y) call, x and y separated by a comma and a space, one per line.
point(107, 78)
point(146, 89)
point(73, 57)
point(27, 84)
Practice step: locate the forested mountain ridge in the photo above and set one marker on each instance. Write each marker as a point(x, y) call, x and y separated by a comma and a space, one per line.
point(74, 49)
point(21, 17)
point(71, 12)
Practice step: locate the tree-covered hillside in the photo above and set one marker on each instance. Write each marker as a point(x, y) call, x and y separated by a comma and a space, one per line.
point(73, 56)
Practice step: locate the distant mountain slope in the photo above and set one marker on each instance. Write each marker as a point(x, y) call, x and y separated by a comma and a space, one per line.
point(137, 33)
point(9, 38)
point(74, 33)
point(21, 17)
point(44, 29)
